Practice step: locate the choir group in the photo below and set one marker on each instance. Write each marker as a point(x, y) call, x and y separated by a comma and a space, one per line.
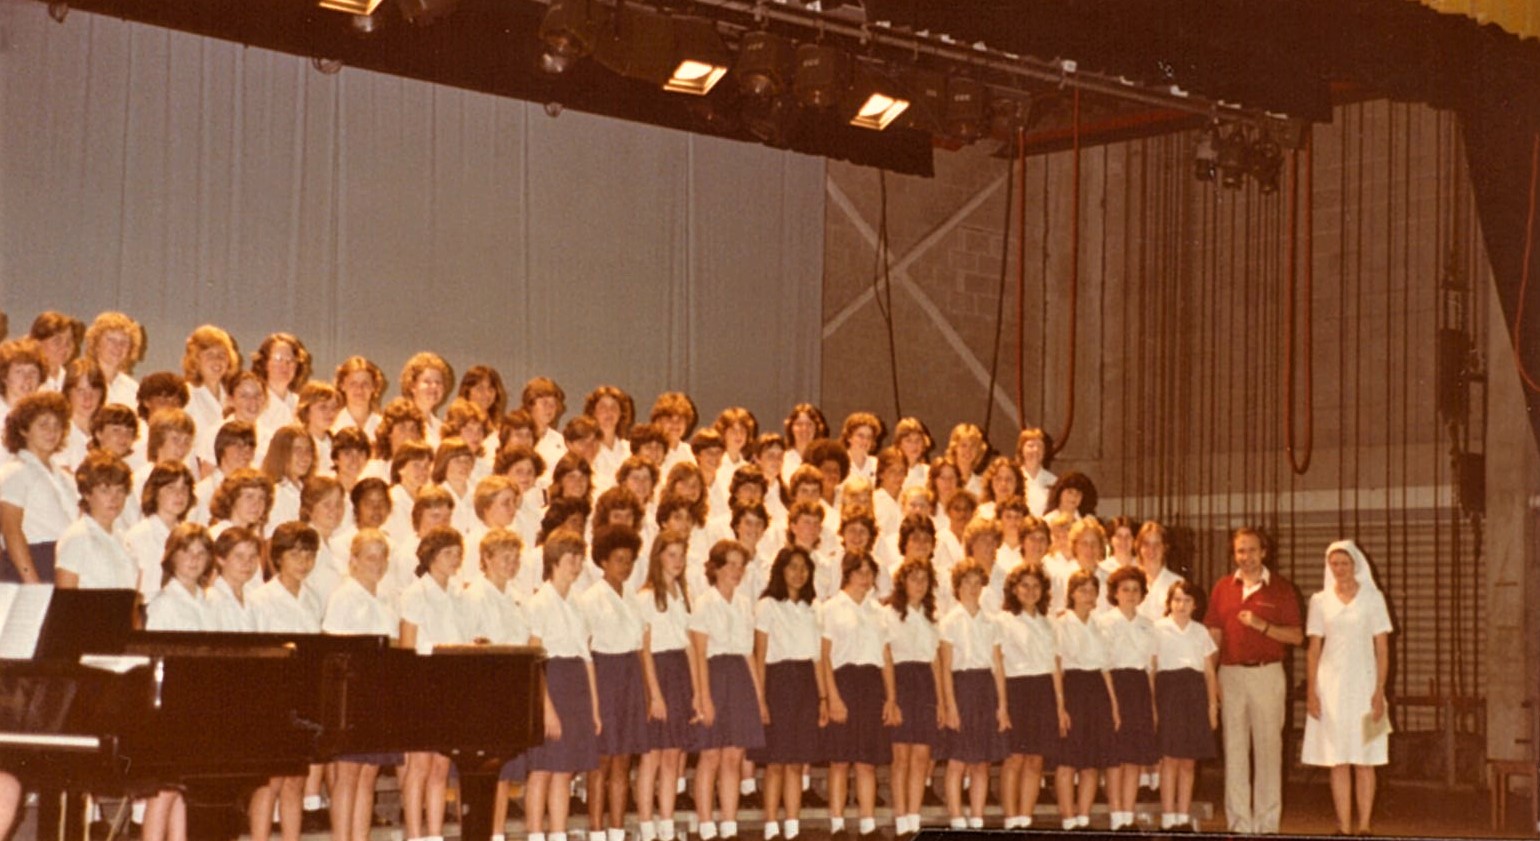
point(750, 603)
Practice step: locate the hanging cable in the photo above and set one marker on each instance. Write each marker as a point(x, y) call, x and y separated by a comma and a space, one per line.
point(1074, 283)
point(1005, 266)
point(1021, 278)
point(1529, 244)
point(1300, 465)
point(882, 285)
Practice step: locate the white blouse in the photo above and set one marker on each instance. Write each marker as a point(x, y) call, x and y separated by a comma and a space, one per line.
point(1130, 642)
point(101, 560)
point(1027, 643)
point(352, 609)
point(498, 617)
point(670, 628)
point(855, 631)
point(913, 639)
point(277, 610)
point(176, 609)
point(614, 625)
point(435, 611)
point(791, 630)
point(973, 637)
point(146, 541)
point(45, 494)
point(558, 624)
point(1080, 645)
point(225, 612)
point(1182, 648)
point(727, 624)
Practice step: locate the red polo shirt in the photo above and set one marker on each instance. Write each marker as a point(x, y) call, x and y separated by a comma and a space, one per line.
point(1275, 602)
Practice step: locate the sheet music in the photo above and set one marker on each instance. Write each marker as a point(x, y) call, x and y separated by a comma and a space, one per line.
point(23, 607)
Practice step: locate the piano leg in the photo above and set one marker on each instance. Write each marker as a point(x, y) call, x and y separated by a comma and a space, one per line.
point(478, 790)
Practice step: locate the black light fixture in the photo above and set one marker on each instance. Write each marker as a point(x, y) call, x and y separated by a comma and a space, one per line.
point(927, 99)
point(771, 119)
point(876, 100)
point(1009, 113)
point(1266, 165)
point(570, 32)
point(966, 108)
point(766, 64)
point(821, 75)
point(641, 45)
point(1234, 150)
point(1205, 160)
point(700, 58)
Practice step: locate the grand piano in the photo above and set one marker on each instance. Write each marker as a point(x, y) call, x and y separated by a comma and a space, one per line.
point(114, 712)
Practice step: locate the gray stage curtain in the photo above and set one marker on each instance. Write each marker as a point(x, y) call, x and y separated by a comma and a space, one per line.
point(185, 180)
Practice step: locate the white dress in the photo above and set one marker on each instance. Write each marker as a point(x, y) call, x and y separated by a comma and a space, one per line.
point(1345, 678)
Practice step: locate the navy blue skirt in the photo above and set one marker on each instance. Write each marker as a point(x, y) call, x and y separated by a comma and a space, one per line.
point(737, 723)
point(566, 678)
point(1034, 717)
point(1181, 695)
point(978, 738)
point(1089, 741)
point(382, 759)
point(1135, 742)
point(916, 690)
point(42, 561)
point(791, 692)
point(622, 704)
point(675, 730)
point(861, 738)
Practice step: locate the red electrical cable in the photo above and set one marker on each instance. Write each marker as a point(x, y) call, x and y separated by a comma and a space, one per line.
point(1299, 467)
point(1529, 244)
point(1074, 283)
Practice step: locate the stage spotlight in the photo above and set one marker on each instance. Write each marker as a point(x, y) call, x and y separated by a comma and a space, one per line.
point(927, 100)
point(700, 58)
point(570, 31)
point(766, 64)
point(876, 100)
point(352, 7)
point(821, 75)
point(1205, 160)
point(965, 108)
point(1009, 114)
point(1266, 165)
point(1232, 159)
point(772, 120)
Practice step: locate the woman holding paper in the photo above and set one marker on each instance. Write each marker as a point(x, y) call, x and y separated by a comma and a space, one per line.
point(1348, 659)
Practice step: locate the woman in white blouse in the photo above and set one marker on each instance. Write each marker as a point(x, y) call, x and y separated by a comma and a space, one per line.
point(972, 686)
point(283, 364)
point(238, 557)
point(913, 644)
point(728, 696)
point(1187, 700)
point(430, 615)
point(164, 501)
point(115, 342)
point(615, 640)
point(208, 360)
point(1130, 639)
point(86, 391)
point(1027, 649)
point(1088, 707)
point(355, 607)
point(92, 554)
point(38, 500)
point(572, 722)
point(663, 601)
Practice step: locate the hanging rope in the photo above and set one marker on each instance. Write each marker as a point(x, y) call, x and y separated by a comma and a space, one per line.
point(882, 292)
point(1529, 244)
point(1005, 265)
point(1074, 284)
point(1300, 463)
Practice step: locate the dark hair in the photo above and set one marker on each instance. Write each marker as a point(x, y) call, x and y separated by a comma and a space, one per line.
point(28, 410)
point(478, 374)
point(349, 438)
point(608, 539)
point(675, 404)
point(290, 537)
point(558, 512)
point(397, 412)
point(539, 387)
point(558, 545)
point(744, 475)
point(161, 384)
point(820, 425)
point(1199, 598)
point(914, 523)
point(222, 505)
point(436, 540)
point(101, 469)
point(163, 475)
point(666, 538)
point(717, 557)
point(182, 536)
point(409, 452)
point(643, 434)
point(1011, 604)
point(264, 353)
point(627, 407)
point(233, 432)
point(315, 489)
point(852, 563)
point(618, 498)
point(365, 486)
point(823, 450)
point(430, 497)
point(1001, 464)
point(1080, 482)
point(776, 587)
point(899, 598)
point(512, 454)
point(741, 511)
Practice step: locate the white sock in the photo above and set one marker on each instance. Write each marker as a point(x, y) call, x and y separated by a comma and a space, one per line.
point(976, 822)
point(596, 835)
point(867, 825)
point(1114, 821)
point(958, 823)
point(836, 825)
point(1070, 823)
point(729, 829)
point(1167, 820)
point(914, 821)
point(557, 836)
point(499, 836)
point(647, 829)
point(1024, 821)
point(615, 834)
point(1080, 820)
point(679, 786)
point(707, 831)
point(793, 827)
point(1183, 819)
point(312, 802)
point(537, 836)
point(665, 829)
point(772, 830)
point(746, 786)
point(136, 812)
point(807, 781)
point(1010, 823)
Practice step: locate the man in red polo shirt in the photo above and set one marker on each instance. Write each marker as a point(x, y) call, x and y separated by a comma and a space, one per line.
point(1254, 617)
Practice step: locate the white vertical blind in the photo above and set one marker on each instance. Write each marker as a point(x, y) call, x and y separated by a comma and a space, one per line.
point(187, 180)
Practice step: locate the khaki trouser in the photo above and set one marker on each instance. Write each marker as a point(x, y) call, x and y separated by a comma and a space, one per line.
point(1253, 710)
